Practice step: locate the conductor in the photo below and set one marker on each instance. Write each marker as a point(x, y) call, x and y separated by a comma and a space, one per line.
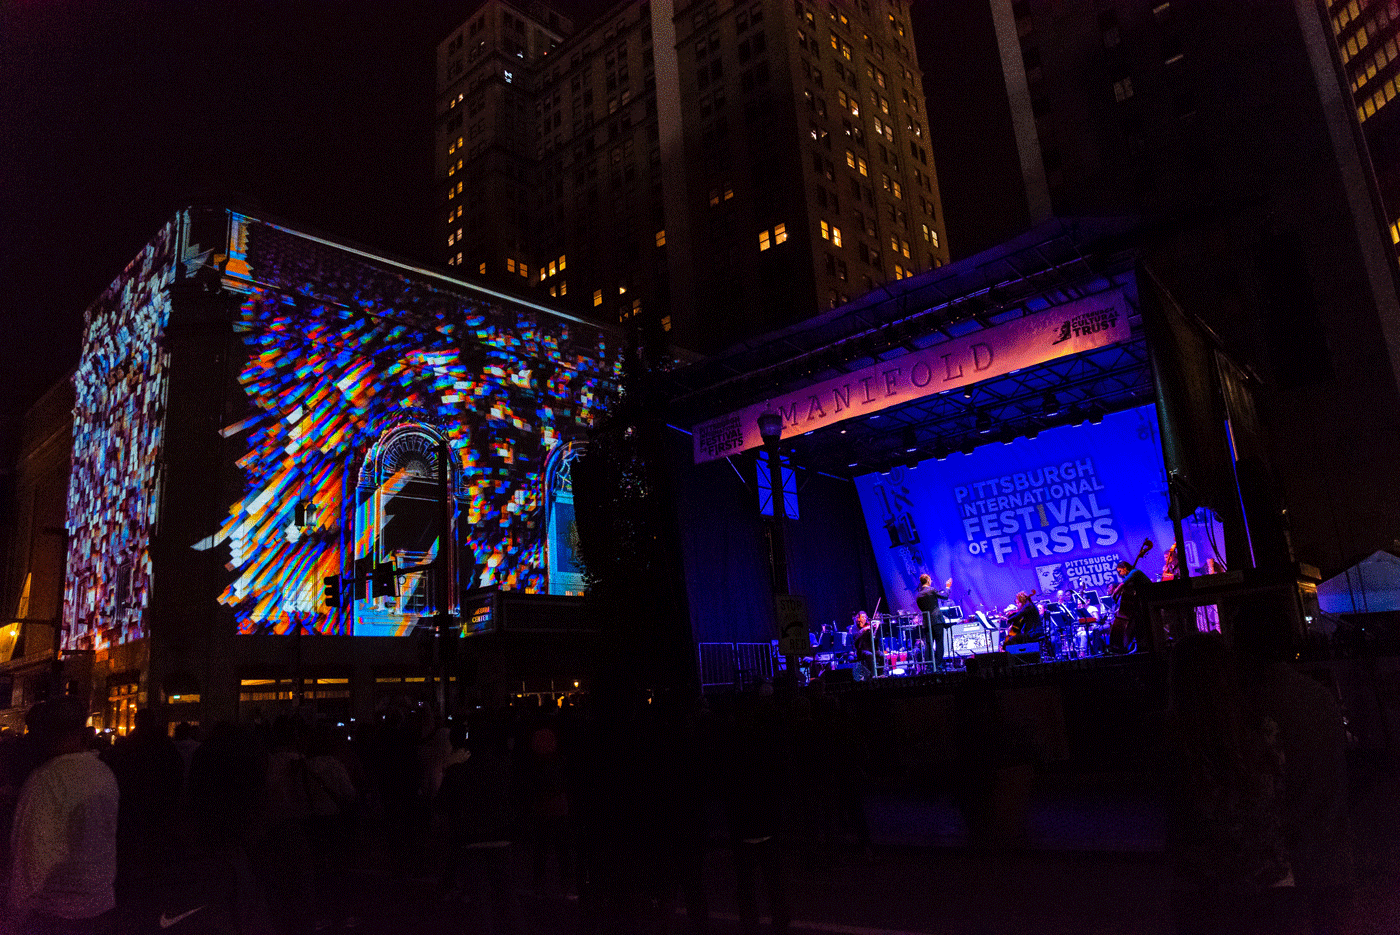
point(927, 598)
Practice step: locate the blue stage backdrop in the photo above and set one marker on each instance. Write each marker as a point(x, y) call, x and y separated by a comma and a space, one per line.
point(1048, 513)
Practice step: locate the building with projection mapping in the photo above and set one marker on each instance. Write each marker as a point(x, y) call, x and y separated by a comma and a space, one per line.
point(257, 410)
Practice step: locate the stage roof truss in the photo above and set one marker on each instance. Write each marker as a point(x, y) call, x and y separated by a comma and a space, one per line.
point(1058, 263)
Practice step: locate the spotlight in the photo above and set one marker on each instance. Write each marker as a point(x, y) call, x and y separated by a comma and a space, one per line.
point(984, 422)
point(1095, 415)
point(967, 392)
point(911, 441)
point(940, 453)
point(1051, 404)
point(854, 464)
point(967, 447)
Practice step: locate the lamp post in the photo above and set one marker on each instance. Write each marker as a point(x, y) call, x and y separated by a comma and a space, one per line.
point(770, 427)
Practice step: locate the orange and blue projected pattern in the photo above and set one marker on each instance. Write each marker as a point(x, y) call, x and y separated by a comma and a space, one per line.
point(353, 373)
point(118, 435)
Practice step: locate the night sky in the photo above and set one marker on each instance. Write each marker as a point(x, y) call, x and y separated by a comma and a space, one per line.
point(115, 114)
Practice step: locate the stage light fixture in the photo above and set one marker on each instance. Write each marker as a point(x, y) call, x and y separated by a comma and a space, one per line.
point(940, 453)
point(967, 392)
point(854, 464)
point(968, 447)
point(984, 422)
point(1095, 415)
point(1051, 404)
point(911, 440)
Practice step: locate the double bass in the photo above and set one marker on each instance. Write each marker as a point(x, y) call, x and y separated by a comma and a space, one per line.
point(1129, 604)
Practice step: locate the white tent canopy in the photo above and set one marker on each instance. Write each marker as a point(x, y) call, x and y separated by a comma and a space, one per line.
point(1370, 585)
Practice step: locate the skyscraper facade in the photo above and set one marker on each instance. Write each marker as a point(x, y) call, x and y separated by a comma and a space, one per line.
point(704, 171)
point(1226, 127)
point(1366, 38)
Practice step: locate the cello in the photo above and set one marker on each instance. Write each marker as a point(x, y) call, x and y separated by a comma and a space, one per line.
point(1018, 619)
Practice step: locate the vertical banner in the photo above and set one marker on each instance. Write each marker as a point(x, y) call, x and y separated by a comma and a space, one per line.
point(1050, 513)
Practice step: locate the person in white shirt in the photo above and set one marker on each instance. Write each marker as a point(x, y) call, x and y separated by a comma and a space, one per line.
point(64, 839)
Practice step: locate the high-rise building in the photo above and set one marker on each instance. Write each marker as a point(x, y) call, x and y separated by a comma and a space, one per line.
point(709, 169)
point(1366, 36)
point(1227, 128)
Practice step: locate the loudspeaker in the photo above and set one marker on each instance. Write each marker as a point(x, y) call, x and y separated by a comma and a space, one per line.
point(986, 662)
point(1023, 653)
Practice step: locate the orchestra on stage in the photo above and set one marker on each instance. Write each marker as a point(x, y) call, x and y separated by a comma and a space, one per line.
point(937, 635)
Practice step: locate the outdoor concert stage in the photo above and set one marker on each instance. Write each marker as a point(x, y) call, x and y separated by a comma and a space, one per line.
point(1019, 421)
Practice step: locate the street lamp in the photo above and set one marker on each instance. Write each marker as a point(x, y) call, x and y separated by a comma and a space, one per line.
point(770, 427)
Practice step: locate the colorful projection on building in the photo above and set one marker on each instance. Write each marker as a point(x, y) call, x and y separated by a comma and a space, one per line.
point(118, 427)
point(354, 374)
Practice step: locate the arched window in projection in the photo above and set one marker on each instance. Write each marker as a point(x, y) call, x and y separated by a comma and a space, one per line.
point(561, 530)
point(398, 519)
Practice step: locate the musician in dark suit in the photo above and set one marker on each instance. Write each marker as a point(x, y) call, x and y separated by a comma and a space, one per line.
point(865, 646)
point(1130, 622)
point(927, 598)
point(1025, 622)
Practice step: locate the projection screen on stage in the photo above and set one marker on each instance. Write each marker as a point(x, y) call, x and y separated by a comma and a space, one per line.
point(1048, 514)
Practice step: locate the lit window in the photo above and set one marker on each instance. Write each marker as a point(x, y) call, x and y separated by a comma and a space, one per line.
point(836, 236)
point(451, 239)
point(541, 274)
point(861, 166)
point(661, 238)
point(561, 262)
point(826, 231)
point(510, 266)
point(563, 287)
point(524, 270)
point(904, 248)
point(894, 244)
point(728, 194)
point(666, 323)
point(714, 197)
point(780, 234)
point(764, 240)
point(850, 159)
point(553, 268)
point(899, 272)
point(554, 291)
point(482, 269)
point(597, 297)
point(459, 259)
point(508, 76)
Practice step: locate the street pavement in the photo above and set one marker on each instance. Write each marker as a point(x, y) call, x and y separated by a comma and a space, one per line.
point(1090, 859)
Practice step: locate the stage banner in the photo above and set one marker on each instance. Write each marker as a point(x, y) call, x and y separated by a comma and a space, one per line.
point(1081, 325)
point(1047, 514)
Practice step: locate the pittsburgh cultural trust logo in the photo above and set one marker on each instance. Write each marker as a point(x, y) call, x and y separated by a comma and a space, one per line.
point(1089, 323)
